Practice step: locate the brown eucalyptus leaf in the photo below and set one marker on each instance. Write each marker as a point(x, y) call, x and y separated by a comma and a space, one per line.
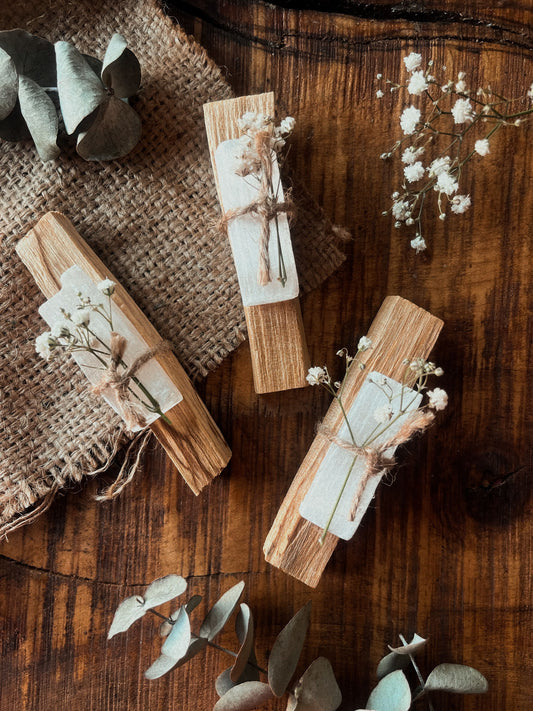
point(456, 678)
point(40, 115)
point(80, 89)
point(193, 603)
point(317, 690)
point(391, 694)
point(164, 589)
point(221, 611)
point(129, 610)
point(224, 683)
point(33, 56)
point(115, 130)
point(8, 84)
point(121, 70)
point(414, 646)
point(162, 665)
point(287, 649)
point(391, 662)
point(244, 627)
point(177, 643)
point(245, 697)
point(197, 645)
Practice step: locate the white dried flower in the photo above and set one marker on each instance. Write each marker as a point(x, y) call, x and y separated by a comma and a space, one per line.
point(462, 111)
point(438, 166)
point(414, 172)
point(438, 398)
point(61, 330)
point(81, 317)
point(42, 345)
point(446, 184)
point(438, 372)
point(383, 414)
point(482, 146)
point(460, 86)
point(530, 92)
point(316, 375)
point(364, 343)
point(408, 120)
point(418, 244)
point(287, 125)
point(417, 83)
point(400, 209)
point(379, 94)
point(106, 286)
point(410, 155)
point(412, 61)
point(460, 204)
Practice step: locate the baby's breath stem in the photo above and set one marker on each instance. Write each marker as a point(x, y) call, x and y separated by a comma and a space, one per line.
point(337, 502)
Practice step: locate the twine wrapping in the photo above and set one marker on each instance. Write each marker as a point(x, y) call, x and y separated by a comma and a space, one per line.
point(149, 216)
point(376, 458)
point(265, 206)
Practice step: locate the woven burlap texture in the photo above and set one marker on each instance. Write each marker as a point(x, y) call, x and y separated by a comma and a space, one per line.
point(151, 217)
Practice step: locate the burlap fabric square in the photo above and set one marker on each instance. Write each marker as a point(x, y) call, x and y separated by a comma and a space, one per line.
point(149, 216)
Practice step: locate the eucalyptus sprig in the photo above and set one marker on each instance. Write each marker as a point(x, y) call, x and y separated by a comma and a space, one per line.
point(239, 687)
point(44, 87)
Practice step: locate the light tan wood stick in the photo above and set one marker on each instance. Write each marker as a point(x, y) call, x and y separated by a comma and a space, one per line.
point(192, 440)
point(280, 360)
point(400, 330)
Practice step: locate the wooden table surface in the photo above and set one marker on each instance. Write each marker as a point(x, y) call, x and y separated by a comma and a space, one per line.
point(446, 550)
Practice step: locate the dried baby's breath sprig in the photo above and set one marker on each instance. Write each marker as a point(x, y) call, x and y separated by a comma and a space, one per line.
point(386, 415)
point(239, 687)
point(446, 125)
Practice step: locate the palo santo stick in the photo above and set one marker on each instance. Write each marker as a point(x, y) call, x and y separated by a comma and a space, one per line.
point(400, 330)
point(278, 348)
point(192, 440)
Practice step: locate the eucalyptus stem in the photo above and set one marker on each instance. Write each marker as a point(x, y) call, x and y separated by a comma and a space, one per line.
point(418, 672)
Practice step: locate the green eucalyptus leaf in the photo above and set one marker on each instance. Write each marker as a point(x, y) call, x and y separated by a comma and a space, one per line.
point(245, 697)
point(80, 90)
point(40, 115)
point(221, 611)
point(115, 130)
point(391, 662)
point(414, 646)
point(177, 642)
point(121, 70)
point(317, 690)
point(164, 589)
point(391, 694)
point(224, 683)
point(162, 665)
point(13, 127)
point(197, 645)
point(287, 649)
point(33, 56)
point(244, 627)
point(129, 610)
point(456, 678)
point(8, 84)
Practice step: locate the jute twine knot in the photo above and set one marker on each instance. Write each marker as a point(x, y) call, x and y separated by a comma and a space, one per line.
point(376, 459)
point(266, 206)
point(131, 412)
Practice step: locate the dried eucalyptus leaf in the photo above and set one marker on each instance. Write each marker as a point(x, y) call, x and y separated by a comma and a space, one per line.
point(391, 663)
point(317, 690)
point(8, 84)
point(162, 665)
point(224, 683)
point(244, 627)
point(197, 645)
point(164, 589)
point(391, 694)
point(80, 90)
point(40, 115)
point(456, 678)
point(193, 603)
point(221, 611)
point(113, 133)
point(177, 643)
point(287, 649)
point(121, 70)
point(129, 611)
point(33, 56)
point(13, 127)
point(414, 646)
point(245, 697)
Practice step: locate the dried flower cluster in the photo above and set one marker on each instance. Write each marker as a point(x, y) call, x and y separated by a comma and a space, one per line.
point(417, 372)
point(446, 125)
point(259, 131)
point(41, 82)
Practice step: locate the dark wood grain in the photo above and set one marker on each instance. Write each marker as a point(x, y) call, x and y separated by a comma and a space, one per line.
point(447, 549)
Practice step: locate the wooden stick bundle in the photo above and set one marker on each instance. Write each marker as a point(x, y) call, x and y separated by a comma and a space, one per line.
point(400, 330)
point(192, 439)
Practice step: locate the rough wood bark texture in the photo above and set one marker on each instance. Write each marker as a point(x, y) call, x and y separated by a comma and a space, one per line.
point(447, 550)
point(191, 438)
point(278, 347)
point(400, 330)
